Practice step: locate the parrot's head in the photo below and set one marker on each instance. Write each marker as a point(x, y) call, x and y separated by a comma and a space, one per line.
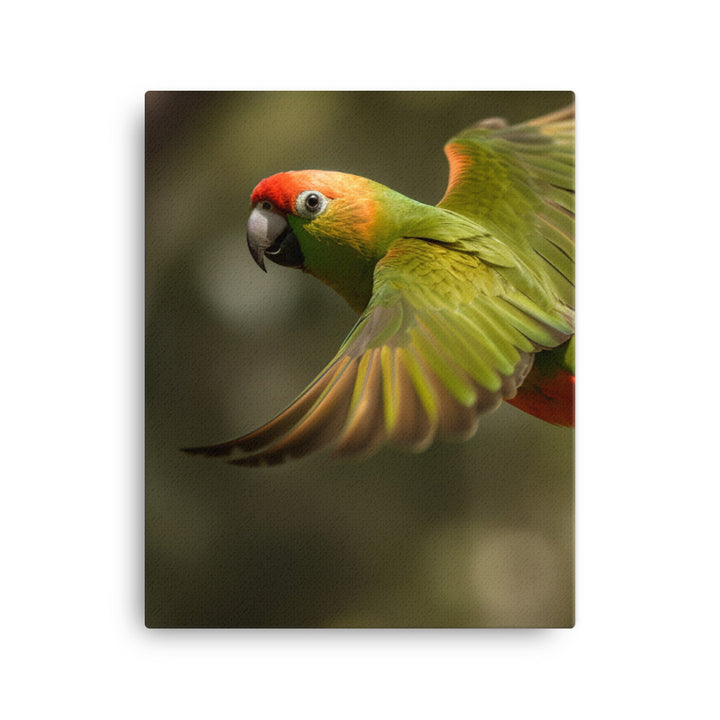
point(333, 225)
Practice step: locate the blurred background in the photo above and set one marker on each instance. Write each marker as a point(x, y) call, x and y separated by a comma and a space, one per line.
point(478, 534)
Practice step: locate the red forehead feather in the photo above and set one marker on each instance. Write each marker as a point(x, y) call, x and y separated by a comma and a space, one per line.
point(282, 189)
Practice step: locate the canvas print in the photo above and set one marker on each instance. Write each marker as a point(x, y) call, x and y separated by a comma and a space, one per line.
point(360, 373)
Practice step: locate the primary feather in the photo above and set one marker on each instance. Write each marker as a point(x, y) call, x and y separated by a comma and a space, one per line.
point(455, 301)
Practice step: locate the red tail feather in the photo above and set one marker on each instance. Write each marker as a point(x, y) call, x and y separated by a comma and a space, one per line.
point(548, 397)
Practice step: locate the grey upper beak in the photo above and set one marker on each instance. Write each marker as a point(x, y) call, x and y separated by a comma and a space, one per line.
point(269, 234)
point(263, 228)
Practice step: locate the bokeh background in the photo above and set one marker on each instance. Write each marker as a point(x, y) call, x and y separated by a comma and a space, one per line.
point(477, 534)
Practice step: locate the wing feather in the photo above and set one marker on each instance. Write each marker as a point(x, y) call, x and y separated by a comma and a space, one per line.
point(422, 362)
point(416, 418)
point(317, 427)
point(364, 429)
point(519, 182)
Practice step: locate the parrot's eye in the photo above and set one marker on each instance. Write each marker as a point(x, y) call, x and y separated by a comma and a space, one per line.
point(310, 203)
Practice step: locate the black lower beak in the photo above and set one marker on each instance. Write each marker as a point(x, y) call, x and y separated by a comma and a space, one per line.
point(286, 250)
point(270, 235)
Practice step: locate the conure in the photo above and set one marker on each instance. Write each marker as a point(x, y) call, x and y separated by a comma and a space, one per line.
point(462, 305)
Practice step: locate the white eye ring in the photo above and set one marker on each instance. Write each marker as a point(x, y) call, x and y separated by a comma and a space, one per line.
point(310, 203)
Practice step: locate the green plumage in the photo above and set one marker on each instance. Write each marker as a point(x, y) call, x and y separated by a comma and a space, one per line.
point(455, 300)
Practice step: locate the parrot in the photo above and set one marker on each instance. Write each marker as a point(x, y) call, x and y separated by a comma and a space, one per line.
point(461, 305)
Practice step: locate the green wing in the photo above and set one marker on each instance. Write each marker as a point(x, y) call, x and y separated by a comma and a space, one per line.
point(443, 339)
point(518, 182)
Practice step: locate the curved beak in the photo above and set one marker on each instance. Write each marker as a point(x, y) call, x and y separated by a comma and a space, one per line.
point(270, 235)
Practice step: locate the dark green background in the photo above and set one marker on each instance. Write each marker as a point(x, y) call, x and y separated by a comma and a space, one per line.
point(464, 535)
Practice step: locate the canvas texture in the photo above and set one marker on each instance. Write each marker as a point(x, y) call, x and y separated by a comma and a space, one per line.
point(472, 534)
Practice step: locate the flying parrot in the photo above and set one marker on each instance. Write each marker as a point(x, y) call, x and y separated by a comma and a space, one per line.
point(461, 305)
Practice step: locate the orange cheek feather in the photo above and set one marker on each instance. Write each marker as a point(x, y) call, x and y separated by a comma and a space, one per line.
point(550, 398)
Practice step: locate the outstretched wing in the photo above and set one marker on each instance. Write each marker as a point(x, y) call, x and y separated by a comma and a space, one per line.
point(427, 356)
point(519, 183)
